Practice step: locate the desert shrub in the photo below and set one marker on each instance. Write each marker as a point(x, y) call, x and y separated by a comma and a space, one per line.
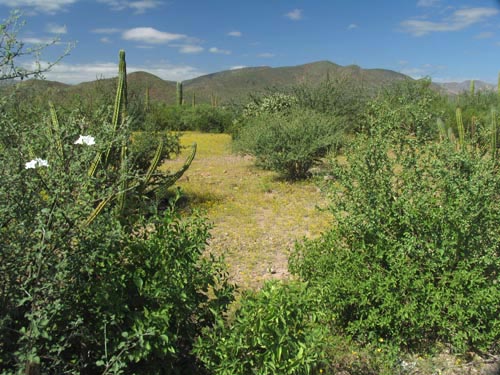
point(476, 111)
point(145, 144)
point(272, 103)
point(86, 287)
point(274, 331)
point(202, 117)
point(290, 143)
point(413, 257)
point(411, 107)
point(338, 96)
point(206, 118)
point(161, 117)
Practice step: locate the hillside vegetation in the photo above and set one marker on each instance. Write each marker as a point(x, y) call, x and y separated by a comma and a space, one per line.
point(226, 86)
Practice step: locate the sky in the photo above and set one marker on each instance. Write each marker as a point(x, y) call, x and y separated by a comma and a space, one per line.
point(447, 40)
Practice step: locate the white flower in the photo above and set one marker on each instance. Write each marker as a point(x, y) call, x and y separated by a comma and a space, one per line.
point(85, 140)
point(36, 163)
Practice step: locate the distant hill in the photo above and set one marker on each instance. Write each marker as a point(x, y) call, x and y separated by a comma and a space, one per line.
point(458, 87)
point(229, 85)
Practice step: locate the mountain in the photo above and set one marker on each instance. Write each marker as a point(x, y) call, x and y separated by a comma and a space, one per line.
point(229, 85)
point(458, 87)
point(242, 82)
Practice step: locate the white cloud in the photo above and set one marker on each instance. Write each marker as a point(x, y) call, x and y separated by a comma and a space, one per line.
point(266, 55)
point(44, 6)
point(219, 51)
point(151, 36)
point(76, 73)
point(235, 33)
point(56, 29)
point(459, 20)
point(352, 26)
point(189, 48)
point(236, 67)
point(42, 40)
point(139, 6)
point(142, 6)
point(294, 15)
point(427, 3)
point(109, 30)
point(424, 70)
point(485, 35)
point(105, 40)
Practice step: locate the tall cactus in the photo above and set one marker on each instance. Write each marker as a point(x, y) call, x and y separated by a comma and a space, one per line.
point(146, 100)
point(472, 87)
point(193, 101)
point(494, 134)
point(461, 129)
point(137, 188)
point(498, 85)
point(179, 94)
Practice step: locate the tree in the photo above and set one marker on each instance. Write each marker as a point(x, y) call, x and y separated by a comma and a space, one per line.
point(13, 49)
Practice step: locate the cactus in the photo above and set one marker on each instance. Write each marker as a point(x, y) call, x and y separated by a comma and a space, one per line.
point(143, 185)
point(461, 129)
point(146, 100)
point(498, 85)
point(179, 94)
point(472, 87)
point(473, 127)
point(442, 129)
point(213, 100)
point(193, 102)
point(493, 134)
point(54, 130)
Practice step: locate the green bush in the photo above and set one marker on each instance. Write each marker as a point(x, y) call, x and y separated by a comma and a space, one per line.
point(206, 118)
point(410, 107)
point(86, 287)
point(413, 257)
point(339, 97)
point(202, 117)
point(274, 331)
point(290, 143)
point(144, 146)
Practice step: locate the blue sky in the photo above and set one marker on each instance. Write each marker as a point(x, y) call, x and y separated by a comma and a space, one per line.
point(182, 39)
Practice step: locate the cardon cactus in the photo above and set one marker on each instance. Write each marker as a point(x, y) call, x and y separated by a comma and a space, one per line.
point(180, 98)
point(135, 186)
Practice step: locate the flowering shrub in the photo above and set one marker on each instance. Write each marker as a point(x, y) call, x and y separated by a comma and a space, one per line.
point(87, 288)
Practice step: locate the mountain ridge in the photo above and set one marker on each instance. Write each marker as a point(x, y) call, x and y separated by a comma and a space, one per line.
point(238, 84)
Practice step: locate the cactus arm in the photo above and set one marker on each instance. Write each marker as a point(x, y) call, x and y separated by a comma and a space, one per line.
point(179, 94)
point(55, 127)
point(461, 129)
point(493, 134)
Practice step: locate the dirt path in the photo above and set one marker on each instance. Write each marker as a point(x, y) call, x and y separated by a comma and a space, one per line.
point(257, 218)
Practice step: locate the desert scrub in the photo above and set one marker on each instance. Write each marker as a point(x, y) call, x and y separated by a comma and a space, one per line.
point(87, 286)
point(413, 257)
point(274, 331)
point(290, 143)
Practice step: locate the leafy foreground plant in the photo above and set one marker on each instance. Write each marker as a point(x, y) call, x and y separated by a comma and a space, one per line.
point(88, 285)
point(413, 259)
point(275, 331)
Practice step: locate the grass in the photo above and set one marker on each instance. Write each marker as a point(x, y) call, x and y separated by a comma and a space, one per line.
point(257, 217)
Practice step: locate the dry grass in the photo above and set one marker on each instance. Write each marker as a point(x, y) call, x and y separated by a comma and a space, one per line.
point(257, 217)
